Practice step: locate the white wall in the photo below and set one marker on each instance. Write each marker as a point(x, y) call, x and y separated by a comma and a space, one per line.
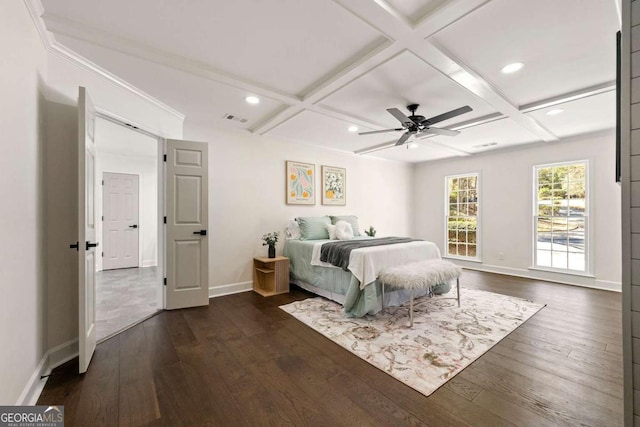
point(506, 203)
point(247, 197)
point(22, 240)
point(112, 148)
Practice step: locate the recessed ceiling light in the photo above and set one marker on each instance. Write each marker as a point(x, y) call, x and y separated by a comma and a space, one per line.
point(252, 100)
point(353, 129)
point(413, 145)
point(554, 112)
point(512, 68)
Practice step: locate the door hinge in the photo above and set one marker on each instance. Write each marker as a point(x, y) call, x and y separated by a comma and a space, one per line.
point(103, 217)
point(103, 182)
point(165, 281)
point(164, 157)
point(165, 219)
point(102, 254)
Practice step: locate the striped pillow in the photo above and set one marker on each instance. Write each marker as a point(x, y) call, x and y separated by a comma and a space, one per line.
point(314, 227)
point(351, 219)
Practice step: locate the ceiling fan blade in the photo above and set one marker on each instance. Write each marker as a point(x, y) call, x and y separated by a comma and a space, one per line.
point(403, 138)
point(445, 116)
point(440, 131)
point(400, 116)
point(380, 131)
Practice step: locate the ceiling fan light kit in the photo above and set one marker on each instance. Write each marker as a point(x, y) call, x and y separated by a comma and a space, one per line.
point(416, 125)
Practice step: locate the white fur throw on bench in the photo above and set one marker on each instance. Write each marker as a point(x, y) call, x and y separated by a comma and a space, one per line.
point(421, 274)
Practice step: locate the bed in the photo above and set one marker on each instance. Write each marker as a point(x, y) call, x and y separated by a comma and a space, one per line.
point(356, 288)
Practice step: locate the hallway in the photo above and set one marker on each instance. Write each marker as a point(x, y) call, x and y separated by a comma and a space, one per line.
point(124, 297)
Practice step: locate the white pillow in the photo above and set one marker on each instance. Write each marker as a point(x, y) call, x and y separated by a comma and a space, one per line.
point(332, 231)
point(344, 231)
point(293, 230)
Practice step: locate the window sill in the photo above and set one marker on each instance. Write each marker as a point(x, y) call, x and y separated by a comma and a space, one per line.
point(460, 258)
point(567, 272)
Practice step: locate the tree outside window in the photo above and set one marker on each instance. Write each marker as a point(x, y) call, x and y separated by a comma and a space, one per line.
point(561, 216)
point(462, 216)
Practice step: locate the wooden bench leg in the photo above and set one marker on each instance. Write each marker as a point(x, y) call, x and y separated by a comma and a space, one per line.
point(458, 289)
point(382, 298)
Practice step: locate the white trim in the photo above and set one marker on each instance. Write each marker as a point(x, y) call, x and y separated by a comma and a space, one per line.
point(563, 271)
point(62, 353)
point(232, 288)
point(478, 257)
point(36, 10)
point(587, 217)
point(548, 276)
point(53, 358)
point(35, 385)
point(148, 263)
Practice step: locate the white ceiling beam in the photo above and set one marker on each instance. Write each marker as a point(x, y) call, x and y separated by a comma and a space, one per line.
point(375, 148)
point(570, 96)
point(394, 12)
point(447, 14)
point(454, 68)
point(438, 57)
point(361, 66)
point(478, 121)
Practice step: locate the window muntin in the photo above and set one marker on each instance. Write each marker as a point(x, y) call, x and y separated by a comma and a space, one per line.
point(461, 216)
point(561, 217)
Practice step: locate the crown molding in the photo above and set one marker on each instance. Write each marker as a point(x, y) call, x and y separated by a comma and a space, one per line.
point(75, 30)
point(36, 10)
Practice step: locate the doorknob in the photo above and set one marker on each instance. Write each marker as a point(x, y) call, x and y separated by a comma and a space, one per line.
point(91, 245)
point(75, 246)
point(201, 232)
point(133, 226)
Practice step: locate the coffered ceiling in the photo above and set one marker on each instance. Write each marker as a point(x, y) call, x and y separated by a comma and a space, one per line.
point(322, 66)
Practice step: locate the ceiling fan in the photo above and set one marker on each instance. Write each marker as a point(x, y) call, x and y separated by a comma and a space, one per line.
point(418, 125)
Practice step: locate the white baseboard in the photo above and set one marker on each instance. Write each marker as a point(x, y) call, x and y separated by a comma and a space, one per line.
point(233, 288)
point(149, 263)
point(549, 276)
point(62, 353)
point(53, 358)
point(35, 385)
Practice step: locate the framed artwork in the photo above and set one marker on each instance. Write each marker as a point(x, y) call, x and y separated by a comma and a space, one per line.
point(301, 183)
point(334, 186)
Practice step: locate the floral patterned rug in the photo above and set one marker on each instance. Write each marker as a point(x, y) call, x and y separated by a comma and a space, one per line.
point(444, 339)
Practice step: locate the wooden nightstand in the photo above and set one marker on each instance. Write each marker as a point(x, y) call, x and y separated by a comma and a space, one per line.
point(271, 275)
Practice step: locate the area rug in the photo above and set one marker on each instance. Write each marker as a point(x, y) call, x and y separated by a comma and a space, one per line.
point(444, 339)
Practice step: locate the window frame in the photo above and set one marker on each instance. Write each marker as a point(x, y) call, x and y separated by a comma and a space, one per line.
point(588, 219)
point(478, 217)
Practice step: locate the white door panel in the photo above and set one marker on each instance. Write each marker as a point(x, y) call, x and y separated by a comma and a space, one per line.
point(86, 230)
point(120, 226)
point(187, 222)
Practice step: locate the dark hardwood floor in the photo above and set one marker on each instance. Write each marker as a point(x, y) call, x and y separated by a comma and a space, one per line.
point(244, 362)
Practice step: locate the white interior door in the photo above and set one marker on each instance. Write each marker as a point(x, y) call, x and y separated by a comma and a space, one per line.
point(187, 263)
point(86, 229)
point(120, 228)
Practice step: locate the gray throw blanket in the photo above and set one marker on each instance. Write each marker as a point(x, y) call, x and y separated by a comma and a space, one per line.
point(337, 253)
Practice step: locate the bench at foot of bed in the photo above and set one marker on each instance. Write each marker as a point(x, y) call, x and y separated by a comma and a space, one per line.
point(421, 275)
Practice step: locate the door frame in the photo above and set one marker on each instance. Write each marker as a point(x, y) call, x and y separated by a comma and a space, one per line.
point(161, 172)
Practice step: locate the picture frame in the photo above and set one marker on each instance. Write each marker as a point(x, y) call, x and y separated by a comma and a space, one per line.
point(334, 186)
point(300, 183)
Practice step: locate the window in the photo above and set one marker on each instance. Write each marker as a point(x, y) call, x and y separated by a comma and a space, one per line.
point(561, 217)
point(461, 216)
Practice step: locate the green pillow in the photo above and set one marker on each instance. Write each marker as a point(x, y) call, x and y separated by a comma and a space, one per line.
point(314, 227)
point(351, 219)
